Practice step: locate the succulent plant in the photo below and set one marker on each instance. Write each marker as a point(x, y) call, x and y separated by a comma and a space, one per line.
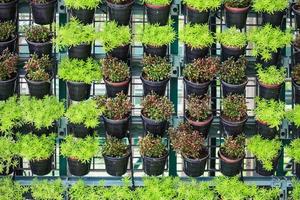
point(114, 70)
point(198, 108)
point(38, 69)
point(8, 65)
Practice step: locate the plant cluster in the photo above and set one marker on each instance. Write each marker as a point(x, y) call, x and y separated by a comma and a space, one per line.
point(8, 65)
point(38, 69)
point(8, 154)
point(158, 2)
point(198, 108)
point(238, 3)
point(114, 70)
point(151, 146)
point(203, 5)
point(10, 189)
point(47, 190)
point(38, 34)
point(114, 147)
point(234, 107)
point(269, 6)
point(271, 75)
point(234, 71)
point(11, 115)
point(266, 193)
point(196, 36)
point(86, 4)
point(293, 150)
point(296, 189)
point(294, 115)
point(232, 37)
point(296, 74)
point(193, 190)
point(156, 68)
point(7, 31)
point(234, 147)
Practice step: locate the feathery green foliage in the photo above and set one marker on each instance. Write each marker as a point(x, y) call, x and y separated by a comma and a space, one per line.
point(114, 147)
point(293, 150)
point(158, 2)
point(232, 37)
point(11, 190)
point(271, 75)
point(294, 115)
point(47, 190)
point(82, 4)
point(8, 154)
point(296, 189)
point(269, 6)
point(266, 193)
point(156, 68)
point(203, 5)
point(151, 146)
point(8, 65)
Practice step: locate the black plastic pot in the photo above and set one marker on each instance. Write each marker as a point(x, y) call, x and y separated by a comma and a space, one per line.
point(275, 59)
point(8, 11)
point(154, 166)
point(78, 168)
point(297, 170)
point(194, 167)
point(41, 167)
point(236, 16)
point(296, 11)
point(194, 53)
point(198, 89)
point(233, 128)
point(10, 45)
point(269, 91)
point(44, 130)
point(158, 87)
point(158, 14)
point(296, 92)
point(156, 128)
point(39, 89)
point(295, 131)
point(40, 48)
point(8, 88)
point(82, 51)
point(120, 12)
point(228, 52)
point(78, 91)
point(261, 171)
point(229, 167)
point(85, 16)
point(79, 130)
point(116, 166)
point(116, 128)
point(120, 52)
point(265, 131)
point(203, 127)
point(274, 19)
point(296, 56)
point(197, 17)
point(156, 51)
point(233, 89)
point(43, 13)
point(112, 89)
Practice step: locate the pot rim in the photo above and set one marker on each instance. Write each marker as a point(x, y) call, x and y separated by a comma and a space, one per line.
point(194, 9)
point(117, 120)
point(242, 84)
point(236, 10)
point(128, 153)
point(234, 48)
point(196, 160)
point(77, 83)
point(10, 80)
point(43, 4)
point(39, 43)
point(130, 2)
point(147, 118)
point(148, 81)
point(296, 10)
point(157, 159)
point(118, 84)
point(201, 123)
point(198, 84)
point(11, 40)
point(31, 81)
point(274, 86)
point(228, 160)
point(157, 6)
point(236, 122)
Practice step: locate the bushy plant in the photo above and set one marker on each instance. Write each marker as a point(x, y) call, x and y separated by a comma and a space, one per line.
point(47, 190)
point(269, 6)
point(157, 108)
point(114, 70)
point(81, 191)
point(114, 36)
point(156, 68)
point(296, 74)
point(271, 75)
point(193, 190)
point(8, 65)
point(234, 71)
point(198, 108)
point(158, 2)
point(196, 36)
point(10, 189)
point(294, 115)
point(234, 107)
point(7, 31)
point(152, 147)
point(264, 150)
point(238, 3)
point(155, 35)
point(268, 40)
point(269, 111)
point(234, 147)
point(11, 115)
point(79, 70)
point(8, 154)
point(37, 33)
point(38, 69)
point(232, 37)
point(203, 5)
point(82, 149)
point(79, 4)
point(293, 150)
point(114, 147)
point(266, 193)
point(296, 189)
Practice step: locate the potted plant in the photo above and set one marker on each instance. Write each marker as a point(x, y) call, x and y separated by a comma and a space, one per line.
point(268, 42)
point(120, 11)
point(43, 11)
point(236, 12)
point(232, 154)
point(84, 11)
point(116, 75)
point(233, 43)
point(197, 12)
point(38, 150)
point(199, 114)
point(77, 37)
point(155, 113)
point(272, 10)
point(116, 155)
point(8, 74)
point(191, 145)
point(8, 155)
point(267, 193)
point(11, 189)
point(39, 75)
point(8, 10)
point(269, 115)
point(270, 80)
point(296, 10)
point(197, 39)
point(116, 40)
point(83, 118)
point(234, 114)
point(293, 116)
point(39, 39)
point(155, 38)
point(8, 36)
point(195, 190)
point(294, 153)
point(79, 75)
point(79, 152)
point(198, 75)
point(296, 83)
point(155, 75)
point(154, 155)
point(47, 190)
point(158, 11)
point(266, 152)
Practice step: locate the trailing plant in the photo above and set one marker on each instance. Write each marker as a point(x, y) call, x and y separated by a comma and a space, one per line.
point(296, 74)
point(38, 69)
point(86, 4)
point(203, 5)
point(158, 2)
point(234, 147)
point(271, 75)
point(79, 70)
point(232, 37)
point(8, 154)
point(47, 190)
point(8, 65)
point(270, 112)
point(157, 108)
point(196, 36)
point(114, 70)
point(293, 150)
point(296, 189)
point(269, 6)
point(82, 149)
point(267, 193)
point(10, 189)
point(114, 147)
point(156, 68)
point(7, 31)
point(114, 36)
point(268, 40)
point(152, 147)
point(237, 3)
point(264, 150)
point(234, 71)
point(37, 33)
point(234, 107)
point(198, 108)
point(294, 115)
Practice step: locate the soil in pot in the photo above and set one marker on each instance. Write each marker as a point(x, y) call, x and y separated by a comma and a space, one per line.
point(156, 51)
point(79, 130)
point(39, 89)
point(116, 128)
point(265, 131)
point(154, 166)
point(85, 16)
point(79, 91)
point(43, 13)
point(198, 89)
point(78, 168)
point(194, 167)
point(269, 91)
point(261, 171)
point(275, 59)
point(112, 89)
point(233, 128)
point(296, 10)
point(196, 16)
point(82, 51)
point(158, 87)
point(233, 89)
point(203, 127)
point(158, 14)
point(41, 167)
point(296, 92)
point(120, 52)
point(236, 16)
point(8, 11)
point(116, 166)
point(120, 13)
point(274, 19)
point(8, 88)
point(40, 48)
point(10, 45)
point(194, 53)
point(230, 167)
point(156, 128)
point(228, 52)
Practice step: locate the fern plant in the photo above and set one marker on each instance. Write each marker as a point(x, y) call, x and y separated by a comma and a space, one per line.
point(293, 150)
point(294, 115)
point(10, 189)
point(271, 75)
point(47, 190)
point(8, 154)
point(232, 37)
point(79, 4)
point(203, 5)
point(269, 6)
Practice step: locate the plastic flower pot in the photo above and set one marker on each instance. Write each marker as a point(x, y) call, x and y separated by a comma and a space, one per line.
point(41, 167)
point(233, 128)
point(236, 16)
point(82, 51)
point(158, 14)
point(196, 16)
point(8, 11)
point(295, 131)
point(203, 126)
point(158, 87)
point(112, 89)
point(275, 59)
point(198, 89)
point(10, 45)
point(85, 16)
point(120, 52)
point(296, 10)
point(116, 128)
point(116, 166)
point(296, 92)
point(274, 19)
point(194, 53)
point(8, 88)
point(120, 12)
point(194, 167)
point(78, 91)
point(228, 52)
point(262, 171)
point(78, 168)
point(154, 166)
point(269, 91)
point(296, 55)
point(43, 13)
point(156, 128)
point(156, 51)
point(233, 89)
point(79, 130)
point(265, 131)
point(40, 48)
point(297, 170)
point(39, 89)
point(230, 167)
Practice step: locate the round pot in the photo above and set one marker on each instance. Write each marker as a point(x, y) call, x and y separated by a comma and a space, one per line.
point(78, 91)
point(296, 92)
point(43, 13)
point(116, 166)
point(39, 89)
point(40, 49)
point(233, 128)
point(296, 11)
point(41, 167)
point(229, 167)
point(233, 89)
point(261, 171)
point(85, 16)
point(194, 53)
point(236, 16)
point(116, 128)
point(155, 51)
point(78, 168)
point(8, 11)
point(158, 14)
point(198, 89)
point(154, 166)
point(295, 131)
point(203, 127)
point(274, 19)
point(8, 88)
point(194, 167)
point(120, 52)
point(112, 89)
point(79, 130)
point(196, 16)
point(296, 56)
point(275, 59)
point(269, 91)
point(228, 52)
point(10, 45)
point(156, 128)
point(82, 51)
point(120, 12)
point(265, 131)
point(158, 87)
point(297, 170)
